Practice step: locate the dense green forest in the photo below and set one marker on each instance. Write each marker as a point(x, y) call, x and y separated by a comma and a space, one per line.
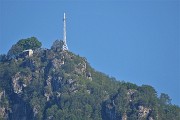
point(53, 84)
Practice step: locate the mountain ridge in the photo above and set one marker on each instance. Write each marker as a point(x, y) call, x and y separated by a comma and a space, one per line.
point(56, 84)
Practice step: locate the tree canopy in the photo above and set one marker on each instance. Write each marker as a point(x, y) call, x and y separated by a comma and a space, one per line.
point(24, 44)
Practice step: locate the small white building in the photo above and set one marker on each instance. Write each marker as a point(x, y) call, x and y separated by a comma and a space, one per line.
point(28, 52)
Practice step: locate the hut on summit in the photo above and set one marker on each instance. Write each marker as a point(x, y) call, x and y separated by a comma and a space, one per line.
point(27, 53)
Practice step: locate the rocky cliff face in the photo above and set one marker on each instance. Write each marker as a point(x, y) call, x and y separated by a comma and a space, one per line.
point(55, 71)
point(114, 103)
point(3, 107)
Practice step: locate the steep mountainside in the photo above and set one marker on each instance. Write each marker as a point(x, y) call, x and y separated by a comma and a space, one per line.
point(53, 84)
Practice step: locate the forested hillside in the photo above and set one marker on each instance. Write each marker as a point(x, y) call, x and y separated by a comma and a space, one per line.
point(52, 84)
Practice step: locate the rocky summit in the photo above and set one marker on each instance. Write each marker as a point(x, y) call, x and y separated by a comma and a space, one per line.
point(55, 84)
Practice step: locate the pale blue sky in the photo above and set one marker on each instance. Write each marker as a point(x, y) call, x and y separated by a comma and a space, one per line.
point(134, 40)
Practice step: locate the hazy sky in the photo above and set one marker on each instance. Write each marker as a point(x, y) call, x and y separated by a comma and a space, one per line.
point(133, 40)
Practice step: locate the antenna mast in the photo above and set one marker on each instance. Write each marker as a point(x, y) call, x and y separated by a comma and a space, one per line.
point(65, 47)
